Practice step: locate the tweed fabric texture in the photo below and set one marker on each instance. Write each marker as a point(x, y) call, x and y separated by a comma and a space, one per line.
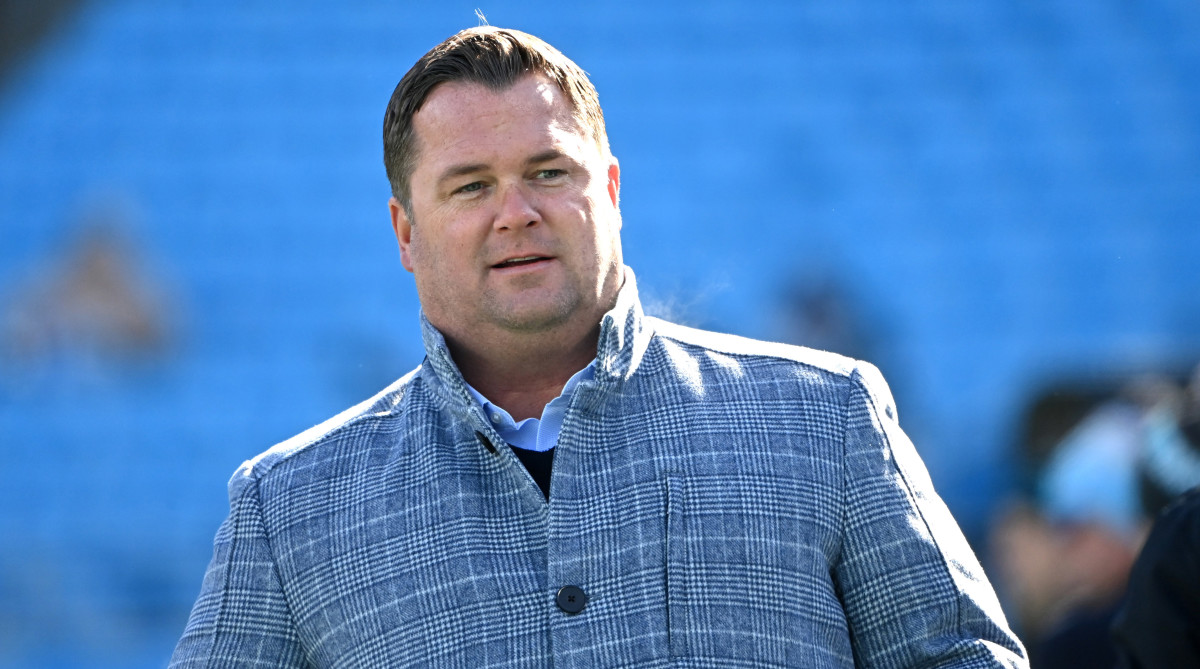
point(723, 503)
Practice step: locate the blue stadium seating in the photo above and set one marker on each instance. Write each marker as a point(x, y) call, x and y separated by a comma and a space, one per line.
point(1007, 190)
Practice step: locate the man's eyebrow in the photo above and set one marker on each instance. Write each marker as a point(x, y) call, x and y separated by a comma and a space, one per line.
point(460, 170)
point(471, 168)
point(545, 156)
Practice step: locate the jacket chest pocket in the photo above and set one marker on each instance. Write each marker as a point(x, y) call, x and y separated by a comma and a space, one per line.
point(747, 571)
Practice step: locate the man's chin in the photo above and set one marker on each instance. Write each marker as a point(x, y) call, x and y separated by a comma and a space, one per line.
point(535, 318)
point(532, 323)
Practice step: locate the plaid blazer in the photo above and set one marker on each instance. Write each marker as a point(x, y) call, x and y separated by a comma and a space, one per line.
point(719, 502)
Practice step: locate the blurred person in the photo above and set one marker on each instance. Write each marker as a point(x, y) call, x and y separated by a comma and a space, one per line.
point(1062, 581)
point(564, 480)
point(95, 304)
point(1065, 561)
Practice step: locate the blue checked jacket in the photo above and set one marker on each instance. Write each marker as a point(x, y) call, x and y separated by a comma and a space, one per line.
point(722, 503)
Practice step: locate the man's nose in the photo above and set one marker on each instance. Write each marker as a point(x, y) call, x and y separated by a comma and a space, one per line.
point(517, 209)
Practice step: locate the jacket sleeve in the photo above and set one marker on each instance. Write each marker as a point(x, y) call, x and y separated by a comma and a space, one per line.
point(241, 618)
point(913, 591)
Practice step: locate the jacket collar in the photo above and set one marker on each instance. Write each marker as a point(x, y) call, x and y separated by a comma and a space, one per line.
point(624, 336)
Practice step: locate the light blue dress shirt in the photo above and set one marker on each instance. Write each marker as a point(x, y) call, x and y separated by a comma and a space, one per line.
point(533, 434)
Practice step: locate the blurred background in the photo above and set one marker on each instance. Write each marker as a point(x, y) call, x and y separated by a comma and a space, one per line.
point(996, 202)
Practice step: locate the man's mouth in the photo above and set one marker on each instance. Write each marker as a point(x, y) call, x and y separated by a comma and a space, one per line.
point(517, 262)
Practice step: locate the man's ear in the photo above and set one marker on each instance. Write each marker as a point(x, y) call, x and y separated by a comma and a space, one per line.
point(614, 183)
point(403, 229)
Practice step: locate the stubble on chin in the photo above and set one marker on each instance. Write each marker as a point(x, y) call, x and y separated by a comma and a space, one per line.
point(549, 314)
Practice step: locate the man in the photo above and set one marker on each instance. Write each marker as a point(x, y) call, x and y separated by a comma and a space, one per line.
point(564, 480)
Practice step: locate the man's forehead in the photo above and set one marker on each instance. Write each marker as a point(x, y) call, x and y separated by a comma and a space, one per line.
point(532, 94)
point(463, 122)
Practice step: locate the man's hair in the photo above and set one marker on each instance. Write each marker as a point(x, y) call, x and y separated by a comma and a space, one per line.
point(496, 58)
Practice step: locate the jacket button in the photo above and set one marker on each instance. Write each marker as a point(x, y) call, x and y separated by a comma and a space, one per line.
point(571, 599)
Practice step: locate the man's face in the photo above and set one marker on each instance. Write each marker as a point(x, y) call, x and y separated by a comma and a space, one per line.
point(515, 220)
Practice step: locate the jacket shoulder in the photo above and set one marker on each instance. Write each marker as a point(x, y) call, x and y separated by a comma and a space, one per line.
point(813, 366)
point(349, 424)
point(825, 362)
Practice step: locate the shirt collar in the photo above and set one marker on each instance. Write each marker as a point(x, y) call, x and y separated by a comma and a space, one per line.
point(534, 434)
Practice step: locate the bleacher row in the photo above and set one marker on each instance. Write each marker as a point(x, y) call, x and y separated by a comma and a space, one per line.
point(1007, 191)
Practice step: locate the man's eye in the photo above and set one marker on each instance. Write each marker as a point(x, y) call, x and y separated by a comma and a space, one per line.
point(550, 174)
point(471, 187)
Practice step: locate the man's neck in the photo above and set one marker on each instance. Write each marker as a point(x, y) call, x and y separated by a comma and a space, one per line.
point(523, 376)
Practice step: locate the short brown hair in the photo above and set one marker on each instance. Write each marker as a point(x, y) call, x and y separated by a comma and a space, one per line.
point(496, 58)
